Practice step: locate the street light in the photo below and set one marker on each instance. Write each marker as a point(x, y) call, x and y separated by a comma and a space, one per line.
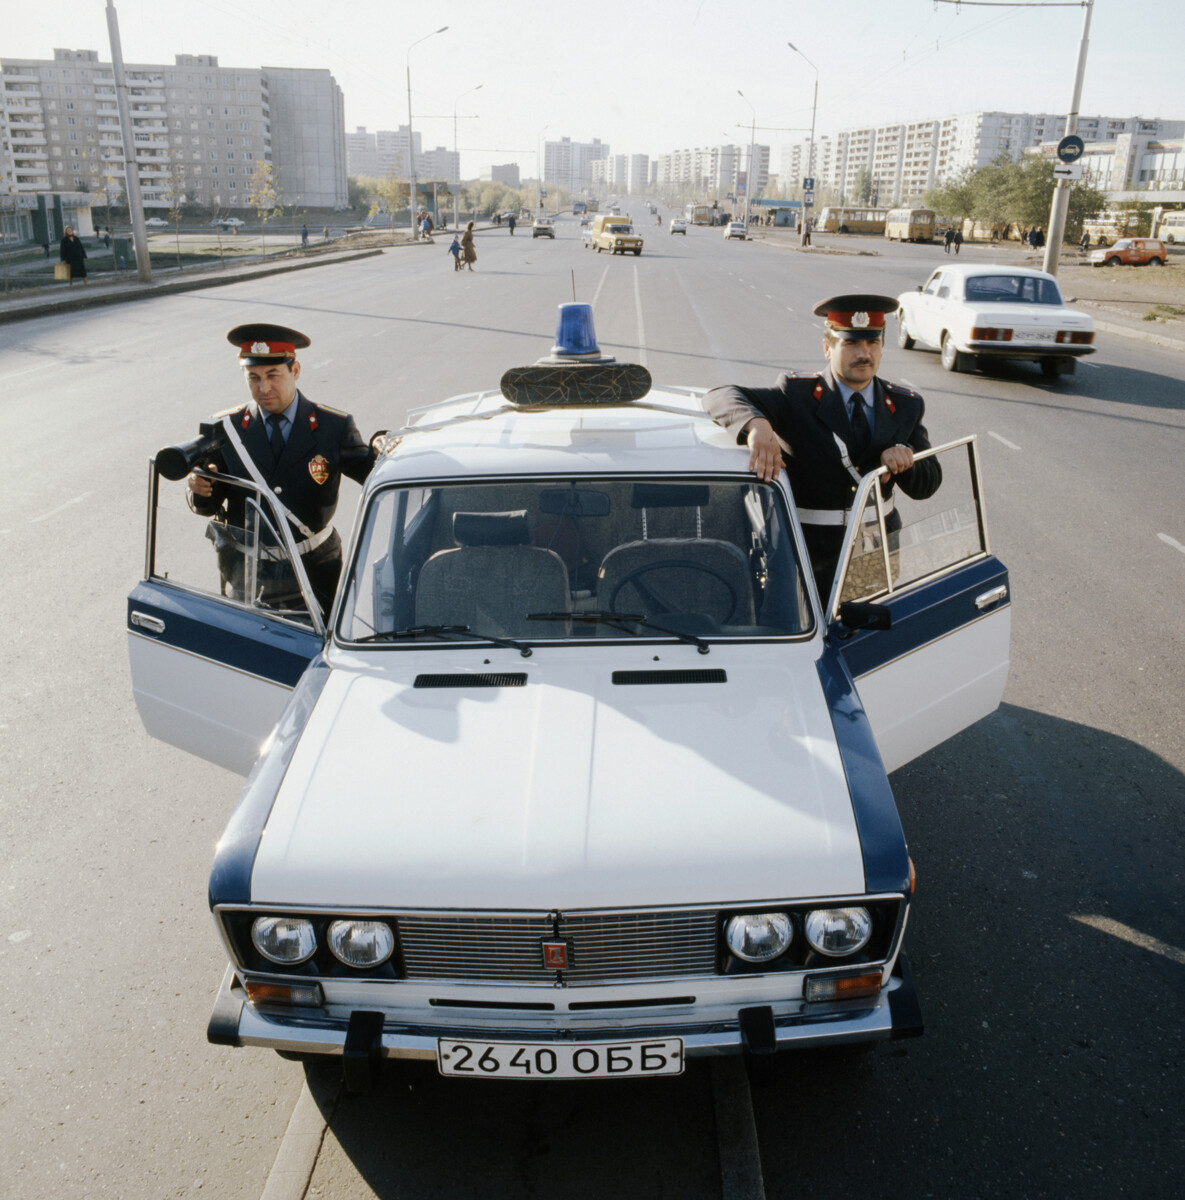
point(411, 141)
point(752, 135)
point(456, 155)
point(539, 161)
point(810, 150)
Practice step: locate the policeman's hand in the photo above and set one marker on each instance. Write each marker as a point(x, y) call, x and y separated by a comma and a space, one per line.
point(199, 484)
point(897, 458)
point(765, 451)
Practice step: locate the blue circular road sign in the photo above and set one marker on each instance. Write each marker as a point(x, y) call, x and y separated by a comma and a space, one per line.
point(1070, 148)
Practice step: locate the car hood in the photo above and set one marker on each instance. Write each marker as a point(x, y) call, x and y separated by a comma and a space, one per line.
point(568, 791)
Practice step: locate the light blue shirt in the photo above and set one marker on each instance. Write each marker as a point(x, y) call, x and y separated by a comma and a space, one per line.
point(869, 408)
point(287, 419)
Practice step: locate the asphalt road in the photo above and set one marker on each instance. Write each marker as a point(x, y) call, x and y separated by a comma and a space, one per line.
point(1048, 939)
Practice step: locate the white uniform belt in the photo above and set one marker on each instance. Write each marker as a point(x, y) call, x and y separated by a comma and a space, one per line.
point(839, 516)
point(311, 543)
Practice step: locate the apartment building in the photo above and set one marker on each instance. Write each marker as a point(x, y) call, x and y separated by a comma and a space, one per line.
point(903, 160)
point(569, 163)
point(198, 130)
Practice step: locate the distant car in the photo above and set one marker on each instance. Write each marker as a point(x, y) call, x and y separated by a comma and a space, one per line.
point(543, 228)
point(227, 222)
point(678, 225)
point(734, 229)
point(975, 313)
point(586, 220)
point(1132, 252)
point(156, 221)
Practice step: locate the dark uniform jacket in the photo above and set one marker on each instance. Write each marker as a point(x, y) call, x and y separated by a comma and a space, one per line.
point(807, 412)
point(322, 445)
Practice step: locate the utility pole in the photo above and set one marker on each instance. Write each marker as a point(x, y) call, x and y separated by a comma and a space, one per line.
point(131, 172)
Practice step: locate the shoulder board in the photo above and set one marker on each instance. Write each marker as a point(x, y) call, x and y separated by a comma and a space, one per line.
point(803, 374)
point(899, 389)
point(333, 412)
point(228, 412)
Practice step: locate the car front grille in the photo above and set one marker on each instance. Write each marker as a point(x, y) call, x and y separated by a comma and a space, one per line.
point(602, 947)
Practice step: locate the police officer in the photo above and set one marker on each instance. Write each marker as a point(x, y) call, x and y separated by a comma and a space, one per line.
point(832, 427)
point(288, 446)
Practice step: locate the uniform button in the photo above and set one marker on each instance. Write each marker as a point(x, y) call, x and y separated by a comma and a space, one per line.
point(278, 490)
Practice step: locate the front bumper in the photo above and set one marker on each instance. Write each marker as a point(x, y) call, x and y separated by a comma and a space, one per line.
point(894, 1013)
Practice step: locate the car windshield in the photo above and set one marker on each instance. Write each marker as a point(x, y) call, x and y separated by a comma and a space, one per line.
point(575, 559)
point(621, 229)
point(1012, 289)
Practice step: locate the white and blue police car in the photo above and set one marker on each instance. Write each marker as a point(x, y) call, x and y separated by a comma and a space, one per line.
point(582, 776)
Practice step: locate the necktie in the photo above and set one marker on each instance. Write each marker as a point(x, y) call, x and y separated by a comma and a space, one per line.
point(276, 437)
point(862, 435)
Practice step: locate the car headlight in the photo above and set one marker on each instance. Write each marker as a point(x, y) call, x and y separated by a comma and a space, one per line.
point(361, 943)
point(838, 931)
point(758, 937)
point(284, 940)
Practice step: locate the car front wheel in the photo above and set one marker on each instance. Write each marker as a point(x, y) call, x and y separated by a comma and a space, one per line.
point(903, 339)
point(1112, 262)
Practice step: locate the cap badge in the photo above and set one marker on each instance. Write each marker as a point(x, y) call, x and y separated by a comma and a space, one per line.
point(260, 348)
point(319, 469)
point(860, 320)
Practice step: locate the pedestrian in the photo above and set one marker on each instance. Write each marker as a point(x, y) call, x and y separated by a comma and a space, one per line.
point(511, 221)
point(325, 234)
point(830, 428)
point(73, 253)
point(1084, 244)
point(1040, 237)
point(1033, 238)
point(1024, 237)
point(455, 250)
point(468, 253)
point(304, 235)
point(806, 231)
point(107, 237)
point(958, 240)
point(426, 227)
point(293, 450)
point(947, 238)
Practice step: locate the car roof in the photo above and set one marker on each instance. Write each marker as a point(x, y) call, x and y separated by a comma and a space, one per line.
point(481, 435)
point(965, 271)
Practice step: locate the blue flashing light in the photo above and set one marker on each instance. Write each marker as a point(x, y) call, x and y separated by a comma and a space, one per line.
point(574, 332)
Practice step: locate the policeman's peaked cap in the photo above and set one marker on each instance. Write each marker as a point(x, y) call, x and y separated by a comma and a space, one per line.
point(262, 345)
point(856, 317)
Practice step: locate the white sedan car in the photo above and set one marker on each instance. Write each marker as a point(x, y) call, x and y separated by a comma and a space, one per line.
point(976, 313)
point(734, 229)
point(581, 777)
point(156, 221)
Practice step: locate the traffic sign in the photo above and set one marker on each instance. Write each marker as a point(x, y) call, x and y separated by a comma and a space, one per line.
point(808, 184)
point(1067, 170)
point(1070, 148)
point(808, 197)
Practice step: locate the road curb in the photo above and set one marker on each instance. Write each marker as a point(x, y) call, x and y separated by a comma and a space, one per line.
point(47, 308)
point(296, 1158)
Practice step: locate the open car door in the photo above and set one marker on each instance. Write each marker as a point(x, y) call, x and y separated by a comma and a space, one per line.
point(922, 614)
point(221, 628)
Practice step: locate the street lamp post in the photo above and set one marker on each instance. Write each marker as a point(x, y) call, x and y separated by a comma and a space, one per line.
point(456, 153)
point(752, 136)
point(539, 165)
point(810, 150)
point(411, 141)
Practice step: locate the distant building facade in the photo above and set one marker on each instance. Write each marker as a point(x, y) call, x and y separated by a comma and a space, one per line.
point(569, 163)
point(903, 160)
point(507, 173)
point(198, 129)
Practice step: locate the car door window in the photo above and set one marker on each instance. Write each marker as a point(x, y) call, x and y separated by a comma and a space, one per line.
point(242, 559)
point(932, 284)
point(935, 535)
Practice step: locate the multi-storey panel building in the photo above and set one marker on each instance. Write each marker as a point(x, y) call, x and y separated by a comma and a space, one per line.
point(198, 129)
point(569, 163)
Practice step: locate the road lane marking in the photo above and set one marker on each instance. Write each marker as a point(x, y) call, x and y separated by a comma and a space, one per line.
point(600, 284)
point(1003, 441)
point(1134, 937)
point(53, 512)
point(1169, 541)
point(641, 330)
point(1084, 362)
point(736, 1131)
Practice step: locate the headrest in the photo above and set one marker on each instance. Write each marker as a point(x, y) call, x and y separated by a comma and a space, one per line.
point(491, 529)
point(670, 495)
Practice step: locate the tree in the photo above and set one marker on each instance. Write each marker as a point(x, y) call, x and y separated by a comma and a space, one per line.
point(263, 194)
point(953, 198)
point(175, 198)
point(862, 192)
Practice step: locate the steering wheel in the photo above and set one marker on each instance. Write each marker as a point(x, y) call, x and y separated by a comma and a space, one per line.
point(656, 603)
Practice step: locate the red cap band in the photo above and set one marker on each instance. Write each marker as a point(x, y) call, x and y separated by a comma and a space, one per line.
point(273, 349)
point(856, 320)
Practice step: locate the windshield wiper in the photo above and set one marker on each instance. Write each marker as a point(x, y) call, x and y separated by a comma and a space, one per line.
point(413, 631)
point(622, 621)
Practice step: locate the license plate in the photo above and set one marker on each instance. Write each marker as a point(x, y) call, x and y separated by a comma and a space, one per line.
point(1035, 335)
point(559, 1060)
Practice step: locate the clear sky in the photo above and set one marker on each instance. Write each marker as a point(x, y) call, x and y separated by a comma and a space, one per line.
point(654, 75)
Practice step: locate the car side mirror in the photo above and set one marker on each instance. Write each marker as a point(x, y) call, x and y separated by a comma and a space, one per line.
point(918, 288)
point(863, 614)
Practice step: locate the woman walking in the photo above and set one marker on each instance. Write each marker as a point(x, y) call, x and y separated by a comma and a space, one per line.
point(467, 251)
point(73, 253)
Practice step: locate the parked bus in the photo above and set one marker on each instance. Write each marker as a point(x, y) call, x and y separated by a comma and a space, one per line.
point(1112, 224)
point(852, 220)
point(910, 225)
point(698, 214)
point(1171, 228)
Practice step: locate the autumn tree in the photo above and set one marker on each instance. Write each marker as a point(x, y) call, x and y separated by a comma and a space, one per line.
point(263, 194)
